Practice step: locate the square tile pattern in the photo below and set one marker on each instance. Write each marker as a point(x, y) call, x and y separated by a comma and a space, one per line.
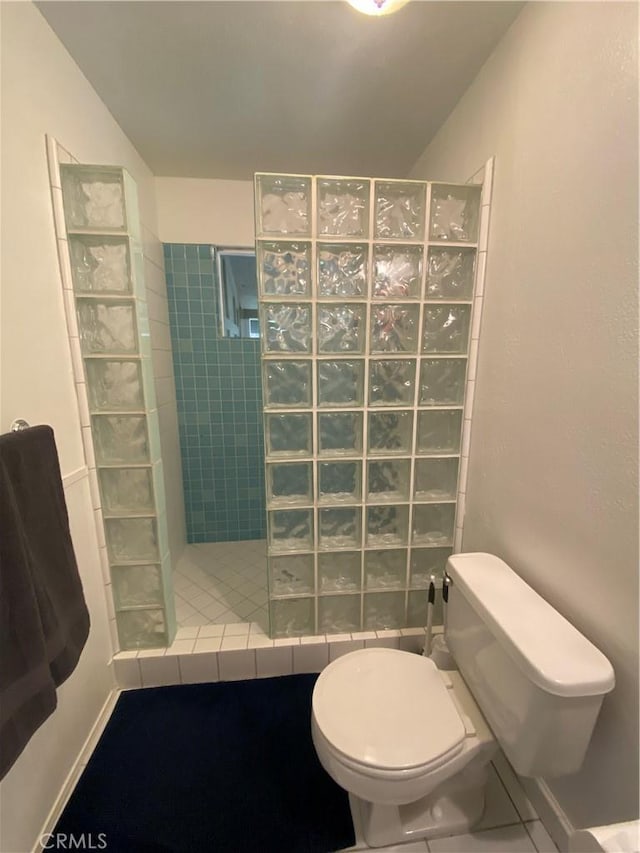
point(219, 398)
point(236, 651)
point(222, 583)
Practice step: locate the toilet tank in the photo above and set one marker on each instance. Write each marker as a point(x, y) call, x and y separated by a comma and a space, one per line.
point(539, 682)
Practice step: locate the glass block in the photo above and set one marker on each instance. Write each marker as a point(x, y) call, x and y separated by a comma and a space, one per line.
point(394, 328)
point(397, 272)
point(442, 381)
point(126, 489)
point(339, 433)
point(343, 208)
point(141, 629)
point(439, 431)
point(340, 527)
point(454, 212)
point(131, 539)
point(339, 572)
point(392, 383)
point(136, 586)
point(284, 269)
point(340, 383)
point(120, 438)
point(435, 479)
point(433, 524)
point(107, 327)
point(450, 273)
point(342, 270)
point(291, 529)
point(388, 480)
point(291, 574)
point(425, 562)
point(100, 264)
point(287, 383)
point(338, 614)
point(288, 434)
point(286, 327)
point(341, 328)
point(446, 328)
point(387, 525)
point(283, 204)
point(114, 384)
point(400, 210)
point(417, 609)
point(292, 617)
point(383, 610)
point(289, 483)
point(390, 432)
point(339, 482)
point(93, 198)
point(385, 569)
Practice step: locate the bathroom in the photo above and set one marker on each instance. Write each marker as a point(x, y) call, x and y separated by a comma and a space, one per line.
point(550, 92)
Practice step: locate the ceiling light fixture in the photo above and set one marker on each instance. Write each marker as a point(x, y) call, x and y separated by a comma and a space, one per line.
point(377, 7)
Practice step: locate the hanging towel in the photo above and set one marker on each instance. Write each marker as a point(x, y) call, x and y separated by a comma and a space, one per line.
point(44, 622)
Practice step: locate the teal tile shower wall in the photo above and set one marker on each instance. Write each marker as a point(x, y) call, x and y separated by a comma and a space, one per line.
point(219, 405)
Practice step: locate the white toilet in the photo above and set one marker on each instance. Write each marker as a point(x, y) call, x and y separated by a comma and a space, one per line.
point(411, 744)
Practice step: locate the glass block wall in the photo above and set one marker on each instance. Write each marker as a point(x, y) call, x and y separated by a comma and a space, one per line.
point(366, 295)
point(109, 301)
point(219, 398)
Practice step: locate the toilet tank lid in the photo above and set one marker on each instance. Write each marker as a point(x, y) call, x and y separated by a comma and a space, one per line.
point(547, 648)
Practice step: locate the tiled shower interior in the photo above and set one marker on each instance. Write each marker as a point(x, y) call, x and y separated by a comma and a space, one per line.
point(370, 324)
point(222, 575)
point(222, 583)
point(219, 399)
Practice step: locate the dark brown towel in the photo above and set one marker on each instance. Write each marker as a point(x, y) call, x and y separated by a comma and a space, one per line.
point(44, 622)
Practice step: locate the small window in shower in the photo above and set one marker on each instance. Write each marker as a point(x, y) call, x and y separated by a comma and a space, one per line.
point(238, 292)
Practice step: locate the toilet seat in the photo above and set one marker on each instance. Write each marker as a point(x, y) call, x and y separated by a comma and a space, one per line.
point(387, 713)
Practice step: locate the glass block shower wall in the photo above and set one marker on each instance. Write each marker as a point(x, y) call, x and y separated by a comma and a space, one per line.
point(106, 301)
point(219, 399)
point(366, 293)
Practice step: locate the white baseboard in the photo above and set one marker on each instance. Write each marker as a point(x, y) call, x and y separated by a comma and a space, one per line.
point(77, 768)
point(551, 813)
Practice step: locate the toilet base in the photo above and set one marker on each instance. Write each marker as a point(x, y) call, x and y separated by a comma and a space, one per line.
point(451, 809)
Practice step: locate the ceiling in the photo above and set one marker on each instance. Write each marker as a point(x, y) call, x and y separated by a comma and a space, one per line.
point(223, 89)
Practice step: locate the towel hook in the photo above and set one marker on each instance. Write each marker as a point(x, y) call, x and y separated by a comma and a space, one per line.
point(19, 424)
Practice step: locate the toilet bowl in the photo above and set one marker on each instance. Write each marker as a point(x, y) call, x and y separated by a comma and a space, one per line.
point(418, 729)
point(411, 744)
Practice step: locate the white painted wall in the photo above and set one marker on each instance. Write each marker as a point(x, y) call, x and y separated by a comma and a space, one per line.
point(194, 210)
point(156, 287)
point(43, 92)
point(552, 485)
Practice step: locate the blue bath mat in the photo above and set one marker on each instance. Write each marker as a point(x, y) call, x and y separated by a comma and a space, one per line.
point(211, 768)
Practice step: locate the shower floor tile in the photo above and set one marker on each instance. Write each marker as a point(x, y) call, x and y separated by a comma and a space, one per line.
point(222, 582)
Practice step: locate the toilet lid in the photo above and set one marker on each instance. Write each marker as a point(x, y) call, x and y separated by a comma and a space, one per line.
point(387, 709)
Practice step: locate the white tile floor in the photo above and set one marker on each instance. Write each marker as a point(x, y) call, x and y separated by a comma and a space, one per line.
point(509, 825)
point(222, 582)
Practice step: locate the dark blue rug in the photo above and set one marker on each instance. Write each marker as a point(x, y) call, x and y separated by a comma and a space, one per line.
point(211, 768)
